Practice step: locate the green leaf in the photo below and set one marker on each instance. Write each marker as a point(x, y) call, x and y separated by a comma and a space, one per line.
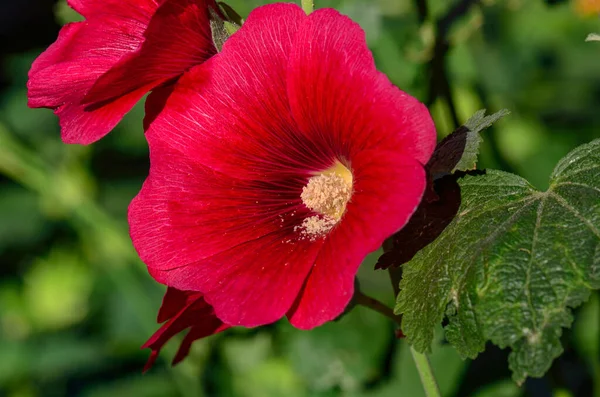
point(223, 23)
point(459, 150)
point(230, 14)
point(344, 354)
point(254, 369)
point(218, 30)
point(510, 265)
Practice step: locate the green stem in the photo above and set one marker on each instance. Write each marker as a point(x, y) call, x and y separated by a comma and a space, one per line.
point(426, 373)
point(374, 304)
point(421, 361)
point(308, 6)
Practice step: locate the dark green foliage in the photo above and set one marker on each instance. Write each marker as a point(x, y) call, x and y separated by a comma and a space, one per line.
point(510, 265)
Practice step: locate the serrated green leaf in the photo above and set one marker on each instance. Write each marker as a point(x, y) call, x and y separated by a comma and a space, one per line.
point(510, 265)
point(477, 123)
point(459, 150)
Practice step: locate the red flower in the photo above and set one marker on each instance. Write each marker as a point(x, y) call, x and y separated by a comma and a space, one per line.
point(276, 167)
point(182, 309)
point(99, 68)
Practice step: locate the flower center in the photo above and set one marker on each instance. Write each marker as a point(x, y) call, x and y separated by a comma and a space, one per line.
point(327, 194)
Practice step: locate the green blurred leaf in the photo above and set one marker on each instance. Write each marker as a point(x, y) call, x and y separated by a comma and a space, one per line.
point(242, 355)
point(22, 222)
point(510, 265)
point(342, 354)
point(499, 389)
point(65, 14)
point(586, 330)
point(447, 367)
point(56, 290)
point(14, 323)
point(64, 355)
point(255, 371)
point(272, 378)
point(49, 358)
point(13, 362)
point(155, 385)
point(368, 15)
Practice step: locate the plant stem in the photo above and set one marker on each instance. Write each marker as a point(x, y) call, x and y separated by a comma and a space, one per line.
point(421, 361)
point(439, 85)
point(374, 304)
point(308, 6)
point(425, 373)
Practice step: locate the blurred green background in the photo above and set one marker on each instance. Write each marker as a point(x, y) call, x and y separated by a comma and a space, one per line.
point(76, 303)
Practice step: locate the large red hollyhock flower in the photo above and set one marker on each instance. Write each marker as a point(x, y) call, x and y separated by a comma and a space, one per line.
point(182, 309)
point(276, 167)
point(99, 68)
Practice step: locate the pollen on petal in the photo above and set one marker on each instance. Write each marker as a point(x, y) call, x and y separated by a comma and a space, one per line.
point(315, 226)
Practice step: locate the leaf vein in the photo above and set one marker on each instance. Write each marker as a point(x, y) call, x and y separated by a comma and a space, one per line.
point(484, 243)
point(568, 206)
point(576, 184)
point(578, 171)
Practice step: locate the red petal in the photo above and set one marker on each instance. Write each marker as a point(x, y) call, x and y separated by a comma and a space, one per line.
point(230, 239)
point(63, 74)
point(387, 189)
point(58, 51)
point(333, 86)
point(252, 284)
point(232, 113)
point(192, 313)
point(173, 301)
point(98, 69)
point(178, 37)
point(187, 212)
point(136, 9)
point(194, 334)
